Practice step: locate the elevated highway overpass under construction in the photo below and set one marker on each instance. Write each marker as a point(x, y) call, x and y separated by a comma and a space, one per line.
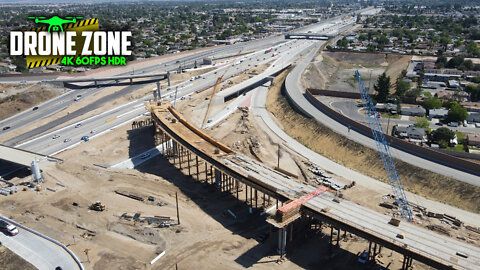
point(212, 162)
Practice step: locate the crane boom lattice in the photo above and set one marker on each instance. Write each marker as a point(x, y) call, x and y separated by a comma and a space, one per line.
point(384, 149)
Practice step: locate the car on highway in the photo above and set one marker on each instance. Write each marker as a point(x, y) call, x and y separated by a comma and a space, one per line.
point(76, 99)
point(35, 108)
point(92, 131)
point(8, 228)
point(5, 128)
point(78, 125)
point(67, 140)
point(55, 136)
point(85, 138)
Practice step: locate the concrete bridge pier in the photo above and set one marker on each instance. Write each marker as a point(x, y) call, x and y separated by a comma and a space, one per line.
point(282, 241)
point(158, 91)
point(168, 78)
point(407, 262)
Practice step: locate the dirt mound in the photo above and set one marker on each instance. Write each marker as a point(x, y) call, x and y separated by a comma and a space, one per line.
point(357, 58)
point(335, 70)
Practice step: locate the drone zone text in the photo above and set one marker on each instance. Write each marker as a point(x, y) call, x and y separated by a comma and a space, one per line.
point(98, 43)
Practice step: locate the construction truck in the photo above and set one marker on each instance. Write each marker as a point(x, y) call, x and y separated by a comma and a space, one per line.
point(97, 206)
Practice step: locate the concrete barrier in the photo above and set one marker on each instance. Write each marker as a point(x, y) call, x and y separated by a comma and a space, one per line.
point(427, 153)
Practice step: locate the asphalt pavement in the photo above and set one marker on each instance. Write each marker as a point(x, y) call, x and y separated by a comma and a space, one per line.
point(41, 253)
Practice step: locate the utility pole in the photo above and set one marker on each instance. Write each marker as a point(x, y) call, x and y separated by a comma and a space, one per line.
point(388, 122)
point(278, 156)
point(178, 213)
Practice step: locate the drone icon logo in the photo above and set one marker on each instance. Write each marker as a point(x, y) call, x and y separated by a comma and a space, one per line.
point(55, 22)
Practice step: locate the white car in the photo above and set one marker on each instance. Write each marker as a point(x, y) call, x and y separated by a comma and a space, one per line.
point(56, 136)
point(8, 228)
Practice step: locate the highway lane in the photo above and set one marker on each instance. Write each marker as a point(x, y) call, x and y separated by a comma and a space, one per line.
point(67, 99)
point(296, 92)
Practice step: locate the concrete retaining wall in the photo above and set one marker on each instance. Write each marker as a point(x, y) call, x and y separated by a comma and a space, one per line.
point(426, 153)
point(332, 93)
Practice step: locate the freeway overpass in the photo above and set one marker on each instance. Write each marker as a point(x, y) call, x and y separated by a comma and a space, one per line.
point(251, 83)
point(210, 161)
point(308, 36)
point(23, 157)
point(117, 79)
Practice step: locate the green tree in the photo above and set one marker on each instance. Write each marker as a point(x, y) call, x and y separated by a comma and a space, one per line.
point(466, 65)
point(342, 43)
point(472, 48)
point(413, 93)
point(441, 61)
point(21, 63)
point(456, 113)
point(432, 103)
point(454, 62)
point(382, 87)
point(474, 92)
point(401, 88)
point(422, 122)
point(442, 134)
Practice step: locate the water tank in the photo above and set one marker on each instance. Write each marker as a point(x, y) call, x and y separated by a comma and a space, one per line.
point(37, 175)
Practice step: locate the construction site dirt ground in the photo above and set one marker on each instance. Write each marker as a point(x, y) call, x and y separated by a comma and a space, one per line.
point(207, 237)
point(335, 70)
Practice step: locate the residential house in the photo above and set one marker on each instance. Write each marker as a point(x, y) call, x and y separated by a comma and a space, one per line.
point(473, 117)
point(388, 107)
point(437, 113)
point(473, 140)
point(409, 132)
point(413, 111)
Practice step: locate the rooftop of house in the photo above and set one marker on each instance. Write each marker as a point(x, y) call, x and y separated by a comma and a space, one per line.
point(410, 131)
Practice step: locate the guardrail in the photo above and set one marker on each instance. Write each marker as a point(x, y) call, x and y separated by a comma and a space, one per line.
point(77, 261)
